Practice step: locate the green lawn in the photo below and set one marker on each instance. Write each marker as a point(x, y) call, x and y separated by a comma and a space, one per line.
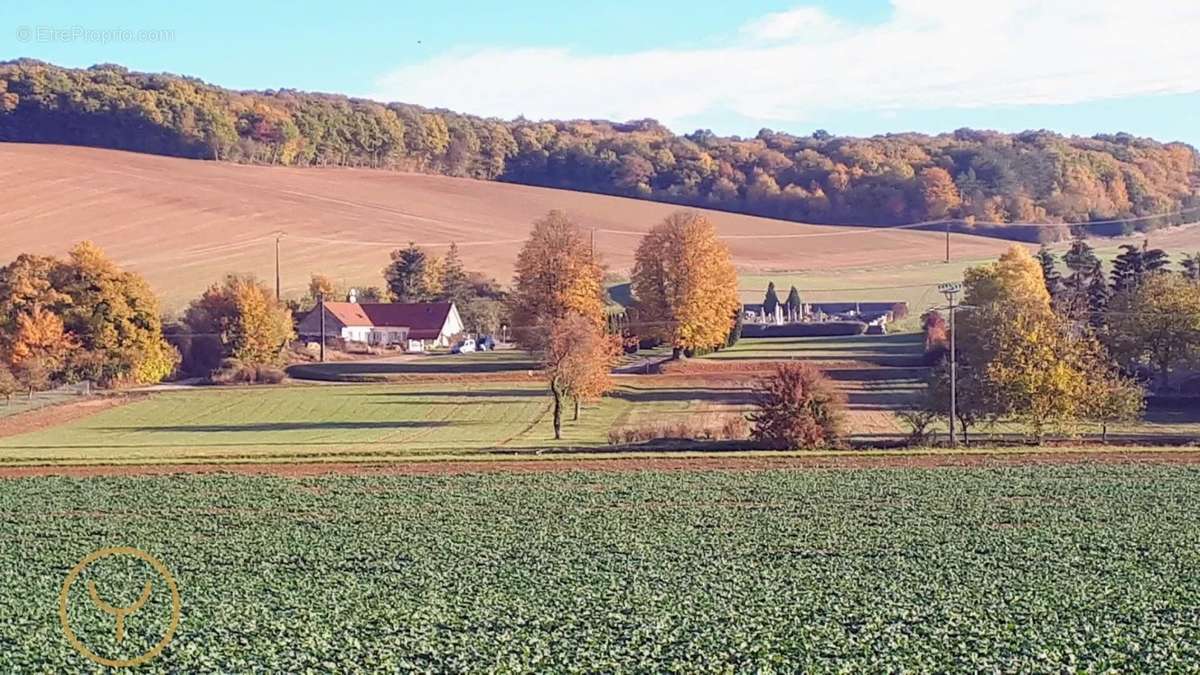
point(1031, 569)
point(322, 422)
point(503, 361)
point(897, 349)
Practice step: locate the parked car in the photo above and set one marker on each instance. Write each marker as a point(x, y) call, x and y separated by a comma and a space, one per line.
point(465, 347)
point(485, 343)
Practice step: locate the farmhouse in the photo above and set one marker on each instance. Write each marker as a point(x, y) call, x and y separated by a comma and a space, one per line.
point(414, 326)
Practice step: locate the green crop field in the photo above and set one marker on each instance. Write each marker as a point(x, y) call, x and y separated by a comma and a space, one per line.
point(1030, 569)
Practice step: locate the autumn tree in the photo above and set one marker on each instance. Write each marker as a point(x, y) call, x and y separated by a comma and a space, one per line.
point(8, 382)
point(252, 327)
point(27, 283)
point(685, 283)
point(1111, 396)
point(39, 348)
point(556, 276)
point(1029, 365)
point(406, 275)
point(431, 279)
point(114, 317)
point(938, 192)
point(797, 407)
point(322, 287)
point(1157, 323)
point(578, 360)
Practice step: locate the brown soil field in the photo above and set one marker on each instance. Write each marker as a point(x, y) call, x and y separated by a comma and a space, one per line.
point(184, 223)
point(1012, 457)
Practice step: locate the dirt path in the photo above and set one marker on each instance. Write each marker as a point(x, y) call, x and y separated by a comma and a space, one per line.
point(847, 461)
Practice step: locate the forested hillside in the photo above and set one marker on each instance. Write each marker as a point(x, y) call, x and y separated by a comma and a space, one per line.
point(977, 176)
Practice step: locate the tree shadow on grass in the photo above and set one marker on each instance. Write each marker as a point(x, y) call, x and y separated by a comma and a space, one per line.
point(661, 394)
point(513, 394)
point(285, 426)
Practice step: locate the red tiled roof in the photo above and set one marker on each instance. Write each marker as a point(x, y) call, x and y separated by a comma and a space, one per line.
point(424, 320)
point(349, 313)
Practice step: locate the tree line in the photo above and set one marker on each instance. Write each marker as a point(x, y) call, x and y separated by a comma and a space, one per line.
point(968, 175)
point(1052, 351)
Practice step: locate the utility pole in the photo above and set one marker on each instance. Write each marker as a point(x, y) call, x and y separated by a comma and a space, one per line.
point(278, 236)
point(947, 242)
point(950, 290)
point(321, 308)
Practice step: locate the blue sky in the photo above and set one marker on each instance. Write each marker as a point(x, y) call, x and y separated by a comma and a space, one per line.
point(853, 67)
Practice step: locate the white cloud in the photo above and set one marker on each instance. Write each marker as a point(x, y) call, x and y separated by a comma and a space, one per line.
point(801, 24)
point(785, 66)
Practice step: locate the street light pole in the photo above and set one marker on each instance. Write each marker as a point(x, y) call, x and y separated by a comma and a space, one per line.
point(950, 290)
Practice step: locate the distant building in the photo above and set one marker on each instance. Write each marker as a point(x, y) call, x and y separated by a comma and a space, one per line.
point(867, 312)
point(414, 326)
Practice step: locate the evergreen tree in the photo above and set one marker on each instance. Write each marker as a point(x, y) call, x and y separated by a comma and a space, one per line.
point(1191, 267)
point(1097, 296)
point(1128, 269)
point(456, 286)
point(405, 275)
point(1133, 265)
point(794, 304)
point(771, 301)
point(1049, 271)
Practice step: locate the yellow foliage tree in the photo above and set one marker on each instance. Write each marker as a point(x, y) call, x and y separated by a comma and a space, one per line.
point(685, 283)
point(1030, 366)
point(251, 325)
point(323, 286)
point(556, 275)
point(116, 318)
point(579, 358)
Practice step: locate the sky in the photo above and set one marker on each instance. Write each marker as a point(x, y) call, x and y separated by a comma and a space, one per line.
point(857, 67)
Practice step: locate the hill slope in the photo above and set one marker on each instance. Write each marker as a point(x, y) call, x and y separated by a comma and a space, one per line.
point(184, 223)
point(1034, 176)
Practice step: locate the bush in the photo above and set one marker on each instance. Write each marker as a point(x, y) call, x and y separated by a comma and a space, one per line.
point(233, 371)
point(798, 407)
point(703, 428)
point(919, 422)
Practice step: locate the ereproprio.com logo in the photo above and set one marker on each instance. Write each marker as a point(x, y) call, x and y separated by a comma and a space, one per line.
point(119, 613)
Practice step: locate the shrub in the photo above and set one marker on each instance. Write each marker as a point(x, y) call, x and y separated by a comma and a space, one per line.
point(702, 428)
point(919, 422)
point(233, 371)
point(798, 407)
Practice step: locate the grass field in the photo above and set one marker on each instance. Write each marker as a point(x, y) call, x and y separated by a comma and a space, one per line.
point(367, 422)
point(1026, 569)
point(898, 349)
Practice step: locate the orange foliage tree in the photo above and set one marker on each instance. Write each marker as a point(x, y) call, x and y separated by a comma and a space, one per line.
point(39, 348)
point(556, 276)
point(579, 358)
point(685, 283)
point(798, 407)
